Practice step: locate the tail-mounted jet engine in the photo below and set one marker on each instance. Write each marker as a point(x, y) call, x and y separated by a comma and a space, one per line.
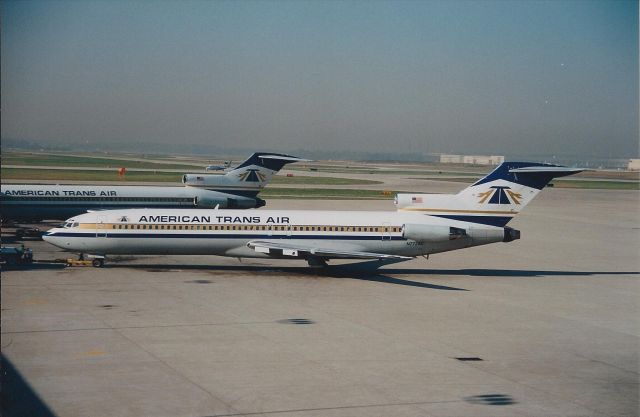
point(225, 201)
point(432, 233)
point(202, 180)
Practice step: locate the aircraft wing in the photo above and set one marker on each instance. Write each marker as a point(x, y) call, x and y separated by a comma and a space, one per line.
point(295, 249)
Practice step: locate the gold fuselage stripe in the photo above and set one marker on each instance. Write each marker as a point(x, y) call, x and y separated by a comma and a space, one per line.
point(231, 227)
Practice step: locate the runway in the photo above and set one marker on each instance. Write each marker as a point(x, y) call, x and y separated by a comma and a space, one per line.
point(545, 326)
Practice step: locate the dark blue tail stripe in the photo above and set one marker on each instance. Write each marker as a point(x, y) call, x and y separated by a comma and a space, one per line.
point(499, 221)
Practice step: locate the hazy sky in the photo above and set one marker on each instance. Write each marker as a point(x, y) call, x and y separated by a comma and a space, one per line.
point(498, 77)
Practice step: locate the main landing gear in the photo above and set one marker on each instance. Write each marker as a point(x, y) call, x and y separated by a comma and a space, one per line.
point(316, 262)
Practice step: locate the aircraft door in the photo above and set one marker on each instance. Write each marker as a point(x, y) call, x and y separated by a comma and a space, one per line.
point(101, 227)
point(386, 231)
point(288, 231)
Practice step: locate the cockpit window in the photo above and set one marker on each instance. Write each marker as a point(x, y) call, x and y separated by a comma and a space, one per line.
point(70, 224)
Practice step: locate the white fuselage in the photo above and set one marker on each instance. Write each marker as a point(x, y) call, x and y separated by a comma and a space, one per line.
point(230, 232)
point(59, 202)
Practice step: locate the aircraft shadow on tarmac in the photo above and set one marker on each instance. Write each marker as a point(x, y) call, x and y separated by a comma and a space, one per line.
point(368, 271)
point(524, 273)
point(329, 272)
point(17, 397)
point(34, 266)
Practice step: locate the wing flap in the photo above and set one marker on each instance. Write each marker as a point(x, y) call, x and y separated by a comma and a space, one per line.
point(297, 250)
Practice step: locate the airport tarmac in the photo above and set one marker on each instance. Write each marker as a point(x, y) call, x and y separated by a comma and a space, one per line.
point(545, 326)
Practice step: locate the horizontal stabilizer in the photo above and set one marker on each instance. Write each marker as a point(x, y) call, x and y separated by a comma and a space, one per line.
point(272, 161)
point(285, 158)
point(555, 171)
point(537, 175)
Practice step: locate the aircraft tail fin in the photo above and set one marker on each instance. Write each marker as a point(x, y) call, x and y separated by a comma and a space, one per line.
point(494, 199)
point(247, 179)
point(260, 167)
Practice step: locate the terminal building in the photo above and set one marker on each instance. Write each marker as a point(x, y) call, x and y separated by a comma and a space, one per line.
point(472, 159)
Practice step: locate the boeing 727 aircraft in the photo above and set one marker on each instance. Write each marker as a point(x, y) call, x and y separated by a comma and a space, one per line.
point(224, 167)
point(317, 236)
point(237, 189)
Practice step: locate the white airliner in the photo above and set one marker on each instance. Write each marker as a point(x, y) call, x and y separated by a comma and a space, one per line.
point(237, 188)
point(224, 167)
point(475, 216)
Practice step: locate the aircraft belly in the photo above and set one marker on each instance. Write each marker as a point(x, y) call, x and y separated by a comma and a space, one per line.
point(166, 245)
point(387, 247)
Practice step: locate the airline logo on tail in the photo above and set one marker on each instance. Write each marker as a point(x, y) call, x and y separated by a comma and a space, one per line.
point(252, 175)
point(500, 195)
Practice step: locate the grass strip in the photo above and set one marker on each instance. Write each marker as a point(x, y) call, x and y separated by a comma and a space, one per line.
point(598, 185)
point(78, 175)
point(135, 176)
point(338, 170)
point(334, 194)
point(301, 179)
point(79, 161)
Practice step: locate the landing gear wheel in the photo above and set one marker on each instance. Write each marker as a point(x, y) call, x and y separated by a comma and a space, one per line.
point(316, 262)
point(98, 263)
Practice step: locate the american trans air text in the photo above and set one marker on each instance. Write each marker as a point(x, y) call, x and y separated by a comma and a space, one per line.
point(218, 219)
point(63, 193)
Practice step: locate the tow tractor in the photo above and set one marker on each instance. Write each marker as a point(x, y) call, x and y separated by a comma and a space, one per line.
point(16, 255)
point(96, 261)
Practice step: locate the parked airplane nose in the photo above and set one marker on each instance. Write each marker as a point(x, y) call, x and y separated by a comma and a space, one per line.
point(50, 237)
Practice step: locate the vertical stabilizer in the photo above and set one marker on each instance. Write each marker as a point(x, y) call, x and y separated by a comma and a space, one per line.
point(494, 199)
point(260, 167)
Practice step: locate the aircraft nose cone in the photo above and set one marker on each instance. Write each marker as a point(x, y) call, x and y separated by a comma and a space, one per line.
point(50, 237)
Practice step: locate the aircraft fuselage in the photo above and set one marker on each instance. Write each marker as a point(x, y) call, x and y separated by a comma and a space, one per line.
point(232, 232)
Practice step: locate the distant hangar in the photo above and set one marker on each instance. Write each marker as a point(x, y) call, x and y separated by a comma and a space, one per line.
point(472, 159)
